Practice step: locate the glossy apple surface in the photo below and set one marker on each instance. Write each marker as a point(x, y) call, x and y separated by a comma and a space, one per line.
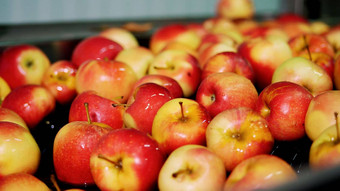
point(22, 181)
point(11, 116)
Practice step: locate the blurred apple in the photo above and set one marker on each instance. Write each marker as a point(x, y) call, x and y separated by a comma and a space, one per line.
point(265, 32)
point(138, 58)
point(22, 181)
point(320, 113)
point(126, 159)
point(23, 64)
point(169, 83)
point(305, 73)
point(213, 49)
point(192, 167)
point(333, 36)
point(95, 48)
point(110, 79)
point(31, 102)
point(319, 27)
point(336, 74)
point(260, 172)
point(174, 45)
point(288, 17)
point(226, 90)
point(237, 134)
point(19, 152)
point(4, 89)
point(284, 105)
point(211, 38)
point(228, 62)
point(59, 79)
point(11, 116)
point(101, 110)
point(179, 65)
point(122, 36)
point(179, 122)
point(235, 9)
point(146, 101)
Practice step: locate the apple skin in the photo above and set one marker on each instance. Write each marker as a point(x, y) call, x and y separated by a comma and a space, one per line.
point(59, 79)
point(304, 72)
point(126, 159)
point(4, 89)
point(72, 148)
point(22, 181)
point(179, 65)
point(291, 18)
point(228, 62)
point(173, 32)
point(212, 38)
point(31, 102)
point(171, 130)
point(336, 73)
point(95, 47)
point(213, 49)
point(169, 83)
point(192, 167)
point(110, 79)
point(264, 32)
point(284, 105)
point(147, 99)
point(23, 64)
point(260, 172)
point(265, 55)
point(19, 150)
point(122, 36)
point(234, 10)
point(325, 150)
point(237, 134)
point(226, 90)
point(100, 110)
point(11, 116)
point(333, 36)
point(324, 60)
point(320, 113)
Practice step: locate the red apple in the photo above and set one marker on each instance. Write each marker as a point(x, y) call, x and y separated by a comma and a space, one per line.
point(179, 65)
point(235, 9)
point(179, 122)
point(226, 90)
point(19, 152)
point(228, 62)
point(291, 18)
point(101, 110)
point(30, 102)
point(22, 181)
point(146, 101)
point(260, 172)
point(11, 116)
point(237, 134)
point(213, 38)
point(192, 167)
point(336, 73)
point(284, 105)
point(169, 83)
point(110, 79)
point(213, 49)
point(126, 159)
point(266, 31)
point(324, 60)
point(59, 79)
point(120, 35)
point(23, 64)
point(95, 47)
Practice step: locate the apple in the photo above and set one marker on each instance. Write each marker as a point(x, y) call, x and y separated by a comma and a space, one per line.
point(19, 152)
point(213, 49)
point(264, 32)
point(333, 37)
point(336, 72)
point(179, 122)
point(72, 148)
point(169, 83)
point(179, 65)
point(289, 17)
point(235, 9)
point(31, 102)
point(319, 27)
point(4, 89)
point(245, 25)
point(11, 116)
point(305, 73)
point(101, 110)
point(173, 32)
point(23, 64)
point(95, 47)
point(226, 90)
point(146, 100)
point(265, 55)
point(198, 28)
point(110, 79)
point(122, 36)
point(284, 105)
point(320, 113)
point(228, 62)
point(301, 44)
point(22, 181)
point(138, 58)
point(237, 134)
point(126, 159)
point(213, 38)
point(192, 167)
point(260, 172)
point(174, 45)
point(59, 79)
point(322, 59)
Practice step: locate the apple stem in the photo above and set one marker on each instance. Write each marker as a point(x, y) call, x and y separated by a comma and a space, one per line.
point(120, 104)
point(118, 164)
point(307, 47)
point(54, 181)
point(337, 126)
point(167, 67)
point(183, 118)
point(182, 172)
point(87, 112)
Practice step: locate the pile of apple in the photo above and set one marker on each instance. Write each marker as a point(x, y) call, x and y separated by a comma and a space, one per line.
point(200, 108)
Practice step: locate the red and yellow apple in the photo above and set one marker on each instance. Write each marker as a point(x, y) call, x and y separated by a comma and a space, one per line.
point(235, 9)
point(122, 36)
point(22, 181)
point(4, 89)
point(11, 116)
